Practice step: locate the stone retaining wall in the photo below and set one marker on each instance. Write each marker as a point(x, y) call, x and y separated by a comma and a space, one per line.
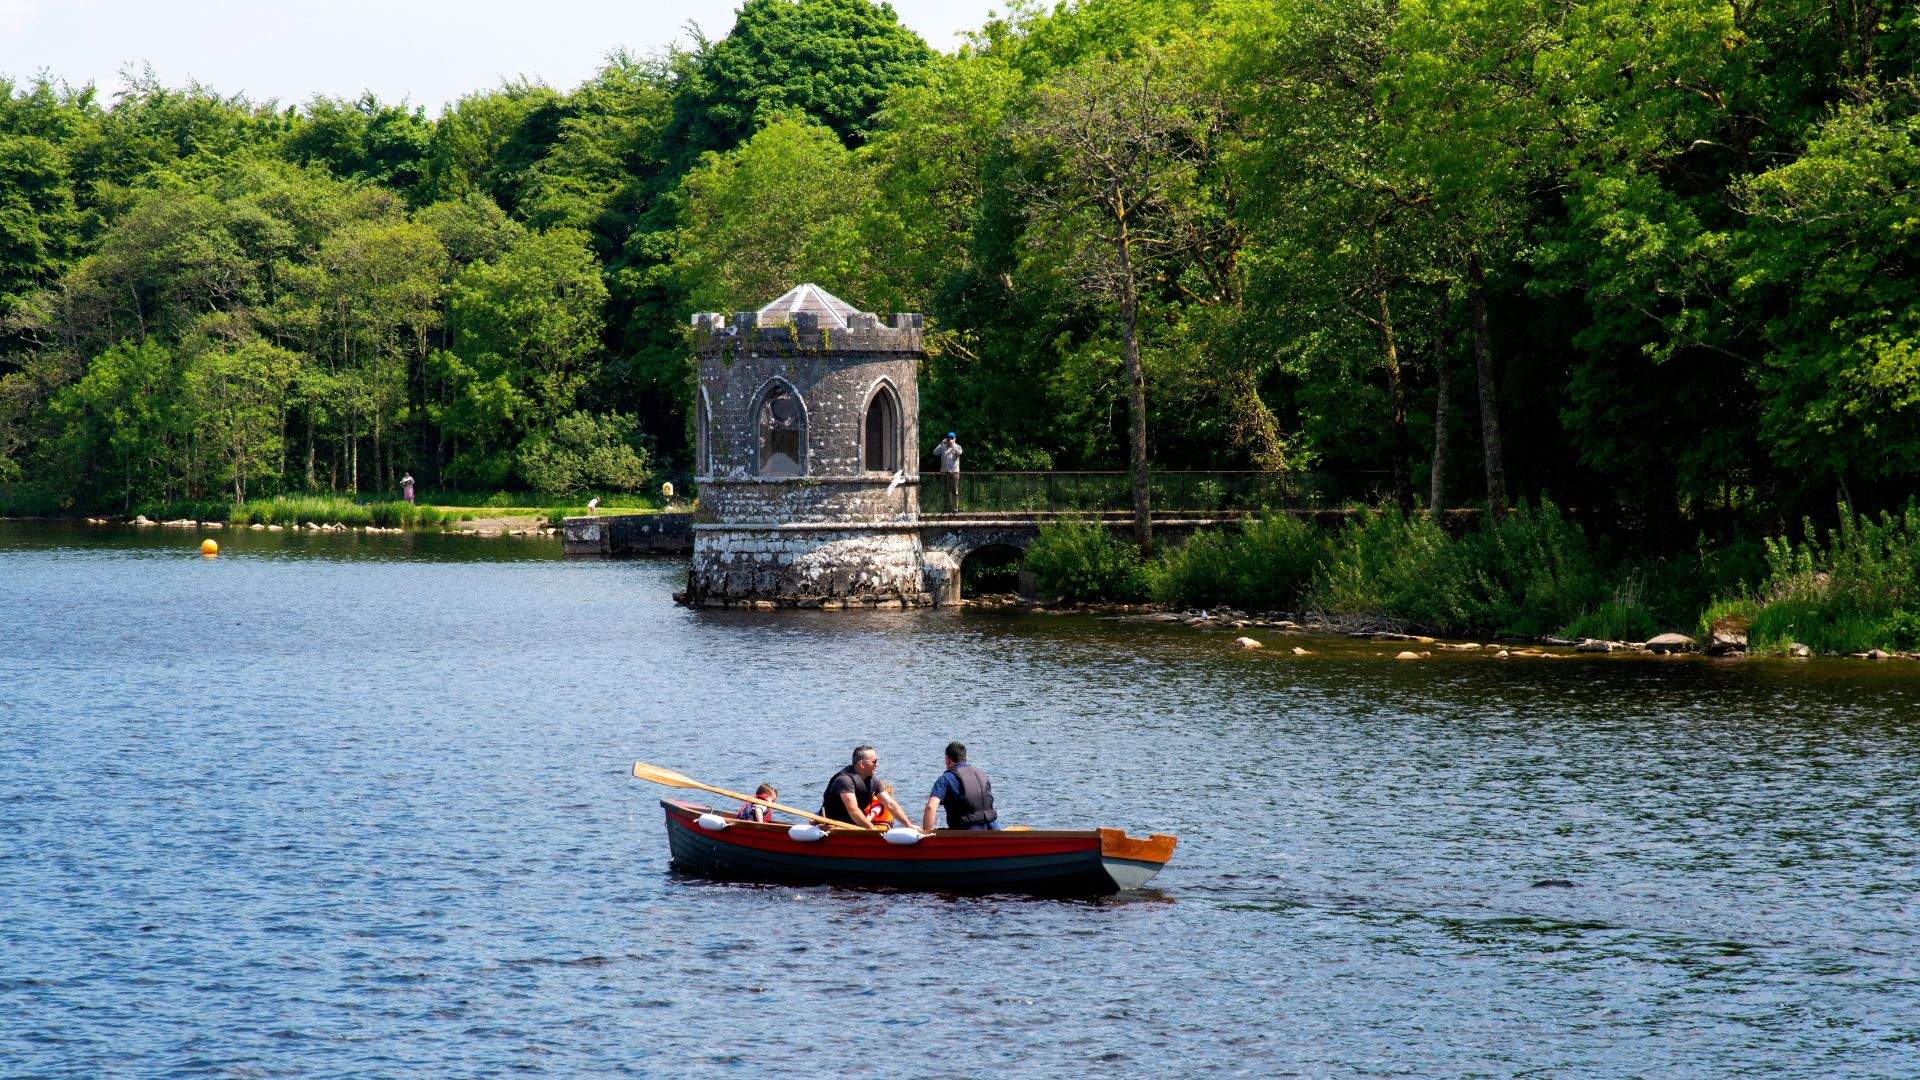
point(619, 535)
point(799, 566)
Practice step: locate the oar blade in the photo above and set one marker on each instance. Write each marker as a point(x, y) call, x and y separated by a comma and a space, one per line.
point(658, 775)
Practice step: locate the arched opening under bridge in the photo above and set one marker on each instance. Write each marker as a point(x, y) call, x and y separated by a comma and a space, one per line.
point(991, 570)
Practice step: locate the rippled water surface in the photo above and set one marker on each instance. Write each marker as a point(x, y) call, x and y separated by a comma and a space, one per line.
point(356, 806)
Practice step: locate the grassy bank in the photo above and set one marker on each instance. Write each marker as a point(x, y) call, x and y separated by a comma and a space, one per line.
point(328, 510)
point(1531, 573)
point(429, 510)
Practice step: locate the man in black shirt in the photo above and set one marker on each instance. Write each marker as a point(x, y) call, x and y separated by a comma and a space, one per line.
point(854, 788)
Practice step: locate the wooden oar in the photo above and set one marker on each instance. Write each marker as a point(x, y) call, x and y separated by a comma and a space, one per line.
point(668, 777)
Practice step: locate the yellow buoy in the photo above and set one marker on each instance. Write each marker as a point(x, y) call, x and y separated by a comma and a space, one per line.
point(209, 548)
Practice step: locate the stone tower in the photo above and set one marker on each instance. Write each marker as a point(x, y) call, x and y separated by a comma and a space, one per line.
point(807, 456)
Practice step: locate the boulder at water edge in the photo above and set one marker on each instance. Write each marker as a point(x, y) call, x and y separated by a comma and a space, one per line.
point(1670, 643)
point(1247, 643)
point(1728, 634)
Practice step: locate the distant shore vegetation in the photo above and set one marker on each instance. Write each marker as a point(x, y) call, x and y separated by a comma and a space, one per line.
point(1531, 573)
point(1650, 260)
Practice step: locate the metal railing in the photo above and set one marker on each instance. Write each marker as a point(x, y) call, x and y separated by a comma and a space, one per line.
point(1245, 491)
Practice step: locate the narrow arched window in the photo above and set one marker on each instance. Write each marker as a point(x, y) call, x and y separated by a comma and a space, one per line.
point(701, 448)
point(883, 433)
point(783, 434)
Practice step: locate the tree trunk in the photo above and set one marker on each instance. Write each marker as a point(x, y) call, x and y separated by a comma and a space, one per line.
point(1442, 418)
point(1489, 406)
point(1136, 393)
point(1397, 391)
point(312, 481)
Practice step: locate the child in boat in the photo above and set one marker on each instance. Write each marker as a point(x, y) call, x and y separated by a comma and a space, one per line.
point(754, 811)
point(877, 813)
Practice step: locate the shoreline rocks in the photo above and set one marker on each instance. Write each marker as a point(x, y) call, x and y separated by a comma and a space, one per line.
point(1727, 635)
point(1663, 644)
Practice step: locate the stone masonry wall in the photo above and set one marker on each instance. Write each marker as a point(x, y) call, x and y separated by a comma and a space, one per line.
point(816, 567)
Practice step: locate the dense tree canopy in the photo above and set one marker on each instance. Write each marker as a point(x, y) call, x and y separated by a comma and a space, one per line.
point(1652, 258)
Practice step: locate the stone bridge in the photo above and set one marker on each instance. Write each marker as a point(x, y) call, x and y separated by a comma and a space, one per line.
point(947, 540)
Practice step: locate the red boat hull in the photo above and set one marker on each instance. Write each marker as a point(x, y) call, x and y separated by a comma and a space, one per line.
point(1094, 862)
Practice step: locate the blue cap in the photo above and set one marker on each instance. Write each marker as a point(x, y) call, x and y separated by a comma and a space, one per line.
point(950, 435)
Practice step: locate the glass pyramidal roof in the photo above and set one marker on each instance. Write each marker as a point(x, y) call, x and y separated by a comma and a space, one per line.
point(810, 299)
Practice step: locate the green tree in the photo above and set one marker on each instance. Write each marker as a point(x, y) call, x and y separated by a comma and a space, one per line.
point(834, 60)
point(37, 219)
point(1119, 145)
point(365, 307)
point(585, 452)
point(237, 399)
point(1829, 252)
point(119, 427)
point(1345, 227)
point(487, 141)
point(792, 180)
point(363, 140)
point(526, 325)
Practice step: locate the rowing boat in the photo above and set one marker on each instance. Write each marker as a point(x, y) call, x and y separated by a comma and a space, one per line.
point(1087, 862)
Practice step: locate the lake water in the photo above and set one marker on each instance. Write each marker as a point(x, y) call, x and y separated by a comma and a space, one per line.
point(360, 806)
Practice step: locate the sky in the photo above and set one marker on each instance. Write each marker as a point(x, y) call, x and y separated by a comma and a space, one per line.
point(428, 52)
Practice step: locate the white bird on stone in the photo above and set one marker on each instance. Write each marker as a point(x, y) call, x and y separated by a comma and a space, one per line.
point(898, 479)
point(593, 504)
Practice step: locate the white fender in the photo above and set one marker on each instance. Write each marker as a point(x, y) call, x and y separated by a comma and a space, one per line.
point(711, 822)
point(805, 832)
point(902, 836)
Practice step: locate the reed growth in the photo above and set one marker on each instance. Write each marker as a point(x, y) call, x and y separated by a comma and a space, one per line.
point(329, 509)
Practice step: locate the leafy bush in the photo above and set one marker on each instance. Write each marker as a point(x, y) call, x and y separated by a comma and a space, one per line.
point(1854, 590)
point(1267, 564)
point(28, 500)
point(1080, 560)
point(1533, 571)
point(585, 452)
point(195, 509)
point(1818, 626)
point(1396, 565)
point(1614, 621)
point(1678, 587)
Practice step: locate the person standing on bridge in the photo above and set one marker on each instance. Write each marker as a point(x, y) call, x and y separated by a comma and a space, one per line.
point(949, 453)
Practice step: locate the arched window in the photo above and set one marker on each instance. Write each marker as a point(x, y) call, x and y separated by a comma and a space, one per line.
point(701, 419)
point(783, 433)
point(882, 433)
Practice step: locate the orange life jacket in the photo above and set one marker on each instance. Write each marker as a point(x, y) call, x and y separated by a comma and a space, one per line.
point(878, 814)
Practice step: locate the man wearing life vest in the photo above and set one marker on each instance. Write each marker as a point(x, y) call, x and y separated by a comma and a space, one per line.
point(966, 793)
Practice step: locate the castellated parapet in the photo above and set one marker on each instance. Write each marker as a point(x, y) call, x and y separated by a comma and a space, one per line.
point(806, 455)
